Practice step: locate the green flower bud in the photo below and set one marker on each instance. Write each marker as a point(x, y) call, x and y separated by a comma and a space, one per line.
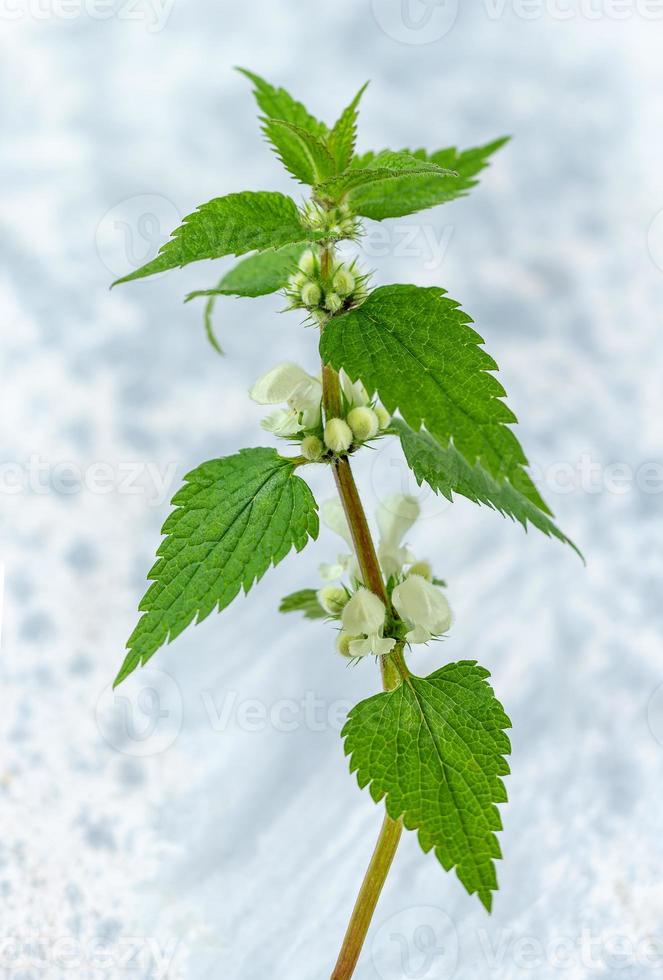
point(364, 423)
point(333, 598)
point(312, 448)
point(384, 418)
point(343, 642)
point(308, 263)
point(333, 302)
point(422, 568)
point(311, 294)
point(338, 436)
point(296, 281)
point(343, 282)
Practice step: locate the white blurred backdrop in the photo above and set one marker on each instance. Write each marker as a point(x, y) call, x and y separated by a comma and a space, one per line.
point(203, 824)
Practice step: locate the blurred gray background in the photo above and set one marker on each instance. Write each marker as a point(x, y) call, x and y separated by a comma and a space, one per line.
point(202, 824)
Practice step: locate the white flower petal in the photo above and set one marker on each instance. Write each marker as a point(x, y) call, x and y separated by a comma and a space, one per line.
point(329, 573)
point(333, 515)
point(360, 648)
point(419, 602)
point(396, 515)
point(418, 635)
point(364, 614)
point(278, 384)
point(282, 422)
point(306, 399)
point(355, 392)
point(382, 645)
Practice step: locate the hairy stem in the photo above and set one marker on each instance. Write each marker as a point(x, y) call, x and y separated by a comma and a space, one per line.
point(367, 899)
point(393, 669)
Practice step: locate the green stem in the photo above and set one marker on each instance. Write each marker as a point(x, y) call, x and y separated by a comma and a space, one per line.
point(367, 899)
point(393, 669)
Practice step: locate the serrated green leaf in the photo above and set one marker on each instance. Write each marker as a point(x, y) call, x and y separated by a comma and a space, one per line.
point(434, 749)
point(409, 193)
point(304, 601)
point(447, 472)
point(233, 518)
point(414, 346)
point(276, 103)
point(343, 136)
point(231, 225)
point(384, 169)
point(301, 153)
point(259, 275)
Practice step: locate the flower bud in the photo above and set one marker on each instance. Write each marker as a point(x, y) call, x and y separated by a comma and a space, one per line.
point(364, 423)
point(308, 263)
point(333, 598)
point(333, 302)
point(296, 281)
point(343, 282)
point(422, 568)
point(384, 418)
point(343, 641)
point(338, 436)
point(312, 448)
point(311, 294)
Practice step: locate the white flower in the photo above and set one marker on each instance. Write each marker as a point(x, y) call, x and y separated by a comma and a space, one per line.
point(396, 515)
point(363, 618)
point(333, 516)
point(301, 392)
point(423, 606)
point(283, 422)
point(384, 418)
point(355, 392)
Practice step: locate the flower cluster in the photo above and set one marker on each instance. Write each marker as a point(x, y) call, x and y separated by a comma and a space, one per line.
point(344, 289)
point(420, 611)
point(336, 222)
point(301, 418)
